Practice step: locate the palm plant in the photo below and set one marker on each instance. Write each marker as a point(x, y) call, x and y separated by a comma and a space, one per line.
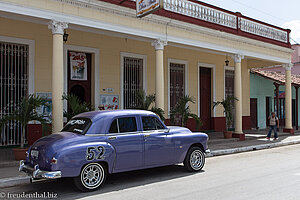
point(75, 105)
point(144, 102)
point(26, 112)
point(227, 105)
point(182, 110)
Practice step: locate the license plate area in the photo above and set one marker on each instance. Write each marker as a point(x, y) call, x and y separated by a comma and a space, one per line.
point(34, 154)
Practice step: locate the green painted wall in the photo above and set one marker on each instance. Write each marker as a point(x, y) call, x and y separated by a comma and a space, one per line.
point(261, 88)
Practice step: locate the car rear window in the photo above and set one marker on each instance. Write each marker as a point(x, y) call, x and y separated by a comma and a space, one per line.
point(78, 125)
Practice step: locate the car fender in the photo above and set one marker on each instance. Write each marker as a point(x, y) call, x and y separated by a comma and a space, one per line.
point(72, 158)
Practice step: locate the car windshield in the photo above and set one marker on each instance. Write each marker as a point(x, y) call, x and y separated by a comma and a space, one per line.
point(77, 125)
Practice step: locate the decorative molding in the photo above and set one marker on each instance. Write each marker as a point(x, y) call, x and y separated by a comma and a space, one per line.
point(237, 58)
point(130, 13)
point(159, 44)
point(57, 27)
point(287, 66)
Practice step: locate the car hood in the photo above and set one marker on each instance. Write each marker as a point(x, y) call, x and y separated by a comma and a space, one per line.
point(179, 129)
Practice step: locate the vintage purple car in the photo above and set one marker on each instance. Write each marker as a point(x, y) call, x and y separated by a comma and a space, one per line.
point(98, 143)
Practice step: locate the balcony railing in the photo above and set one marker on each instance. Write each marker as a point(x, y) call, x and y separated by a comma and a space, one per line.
point(198, 11)
point(228, 19)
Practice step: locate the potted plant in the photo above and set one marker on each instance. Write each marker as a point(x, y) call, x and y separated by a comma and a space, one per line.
point(144, 102)
point(227, 105)
point(75, 106)
point(24, 113)
point(182, 110)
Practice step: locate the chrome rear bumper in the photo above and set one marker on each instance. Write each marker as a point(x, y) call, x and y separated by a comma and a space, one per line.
point(36, 173)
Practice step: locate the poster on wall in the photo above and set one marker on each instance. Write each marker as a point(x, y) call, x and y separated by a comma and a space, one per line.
point(109, 102)
point(46, 111)
point(78, 66)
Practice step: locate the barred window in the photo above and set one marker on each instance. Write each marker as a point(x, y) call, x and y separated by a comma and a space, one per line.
point(13, 86)
point(133, 80)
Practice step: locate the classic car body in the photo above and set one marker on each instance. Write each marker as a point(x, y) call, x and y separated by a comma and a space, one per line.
point(119, 141)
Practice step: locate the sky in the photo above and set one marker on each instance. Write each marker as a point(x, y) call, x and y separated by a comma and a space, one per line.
point(282, 13)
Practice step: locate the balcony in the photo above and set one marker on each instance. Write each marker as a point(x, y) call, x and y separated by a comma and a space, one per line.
point(227, 21)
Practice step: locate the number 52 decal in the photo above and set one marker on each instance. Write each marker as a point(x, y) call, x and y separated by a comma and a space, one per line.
point(95, 153)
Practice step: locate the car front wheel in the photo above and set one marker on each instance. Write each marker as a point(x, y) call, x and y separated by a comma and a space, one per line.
point(91, 177)
point(195, 159)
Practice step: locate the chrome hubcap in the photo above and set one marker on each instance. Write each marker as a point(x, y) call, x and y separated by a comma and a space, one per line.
point(196, 159)
point(92, 175)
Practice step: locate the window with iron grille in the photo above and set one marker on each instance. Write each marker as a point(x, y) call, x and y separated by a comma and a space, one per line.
point(13, 86)
point(176, 83)
point(133, 80)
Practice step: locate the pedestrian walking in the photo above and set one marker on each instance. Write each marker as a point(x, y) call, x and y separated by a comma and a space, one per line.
point(274, 122)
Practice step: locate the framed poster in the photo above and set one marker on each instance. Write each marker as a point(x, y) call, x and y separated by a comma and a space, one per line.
point(78, 66)
point(109, 102)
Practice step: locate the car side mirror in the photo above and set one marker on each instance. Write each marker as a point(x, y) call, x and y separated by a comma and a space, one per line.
point(167, 130)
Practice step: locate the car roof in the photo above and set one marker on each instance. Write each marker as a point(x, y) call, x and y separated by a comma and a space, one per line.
point(94, 115)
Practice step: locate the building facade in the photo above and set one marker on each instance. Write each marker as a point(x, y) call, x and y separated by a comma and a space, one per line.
point(110, 54)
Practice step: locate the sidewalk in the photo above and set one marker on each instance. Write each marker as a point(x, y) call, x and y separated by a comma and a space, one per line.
point(255, 140)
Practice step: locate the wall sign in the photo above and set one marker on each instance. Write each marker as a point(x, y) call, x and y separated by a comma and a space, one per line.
point(145, 7)
point(78, 65)
point(109, 102)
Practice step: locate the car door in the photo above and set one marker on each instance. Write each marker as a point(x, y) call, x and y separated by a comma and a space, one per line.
point(159, 146)
point(128, 143)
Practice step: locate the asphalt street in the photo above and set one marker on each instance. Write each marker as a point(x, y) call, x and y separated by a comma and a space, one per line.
point(265, 174)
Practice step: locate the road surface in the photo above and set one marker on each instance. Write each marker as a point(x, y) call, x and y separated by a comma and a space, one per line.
point(265, 174)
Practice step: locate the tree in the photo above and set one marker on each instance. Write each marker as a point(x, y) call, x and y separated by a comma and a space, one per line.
point(75, 105)
point(26, 112)
point(182, 110)
point(143, 102)
point(227, 105)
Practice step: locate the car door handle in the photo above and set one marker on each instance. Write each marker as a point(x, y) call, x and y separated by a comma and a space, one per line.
point(112, 138)
point(147, 135)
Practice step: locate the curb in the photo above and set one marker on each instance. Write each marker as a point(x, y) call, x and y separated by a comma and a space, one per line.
point(250, 148)
point(9, 182)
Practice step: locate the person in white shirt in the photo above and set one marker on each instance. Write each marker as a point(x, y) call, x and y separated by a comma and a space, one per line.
point(273, 126)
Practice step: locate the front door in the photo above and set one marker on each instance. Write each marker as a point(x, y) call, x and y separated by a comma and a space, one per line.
point(205, 97)
point(253, 112)
point(79, 75)
point(159, 148)
point(127, 142)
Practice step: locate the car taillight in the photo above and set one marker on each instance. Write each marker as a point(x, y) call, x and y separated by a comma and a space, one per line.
point(53, 161)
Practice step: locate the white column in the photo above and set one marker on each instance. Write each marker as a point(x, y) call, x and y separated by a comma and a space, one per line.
point(159, 72)
point(57, 74)
point(238, 123)
point(288, 96)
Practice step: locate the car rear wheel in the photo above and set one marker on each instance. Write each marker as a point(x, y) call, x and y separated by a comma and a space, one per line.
point(195, 159)
point(91, 177)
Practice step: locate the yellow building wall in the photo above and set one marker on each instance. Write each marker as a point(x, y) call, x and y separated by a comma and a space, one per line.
point(109, 70)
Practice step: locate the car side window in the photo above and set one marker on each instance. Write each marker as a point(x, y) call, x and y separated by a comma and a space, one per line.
point(151, 123)
point(114, 127)
point(127, 124)
point(159, 125)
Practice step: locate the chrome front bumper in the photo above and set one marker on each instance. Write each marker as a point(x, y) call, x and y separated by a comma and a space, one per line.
point(207, 151)
point(36, 173)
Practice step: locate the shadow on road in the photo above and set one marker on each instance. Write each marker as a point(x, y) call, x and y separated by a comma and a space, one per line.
point(65, 189)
